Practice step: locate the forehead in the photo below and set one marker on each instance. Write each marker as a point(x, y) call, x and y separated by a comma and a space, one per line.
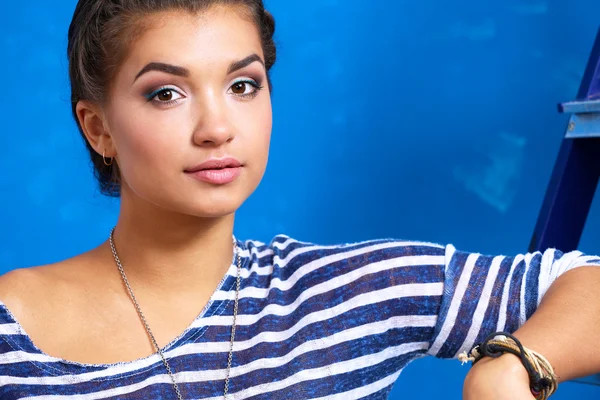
point(206, 40)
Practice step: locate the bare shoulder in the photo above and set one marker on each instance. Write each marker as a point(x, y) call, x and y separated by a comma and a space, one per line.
point(15, 280)
point(22, 289)
point(17, 286)
point(34, 291)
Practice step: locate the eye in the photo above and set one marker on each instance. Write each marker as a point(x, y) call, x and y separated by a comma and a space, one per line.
point(164, 96)
point(245, 88)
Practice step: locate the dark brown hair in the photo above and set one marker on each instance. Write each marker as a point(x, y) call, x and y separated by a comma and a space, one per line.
point(98, 36)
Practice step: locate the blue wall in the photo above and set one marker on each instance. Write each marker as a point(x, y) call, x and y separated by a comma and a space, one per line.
point(429, 120)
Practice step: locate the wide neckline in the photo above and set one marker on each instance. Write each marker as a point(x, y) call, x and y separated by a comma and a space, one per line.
point(29, 347)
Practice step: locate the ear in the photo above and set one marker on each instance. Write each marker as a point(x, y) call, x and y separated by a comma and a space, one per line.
point(92, 122)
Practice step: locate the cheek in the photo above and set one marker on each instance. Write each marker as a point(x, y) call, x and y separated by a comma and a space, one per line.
point(145, 143)
point(263, 123)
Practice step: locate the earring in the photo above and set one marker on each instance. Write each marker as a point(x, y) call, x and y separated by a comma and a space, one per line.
point(104, 159)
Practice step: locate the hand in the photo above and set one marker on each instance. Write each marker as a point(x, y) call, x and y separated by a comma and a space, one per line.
point(502, 378)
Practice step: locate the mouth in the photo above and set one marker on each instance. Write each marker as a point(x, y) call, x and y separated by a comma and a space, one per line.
point(217, 171)
point(215, 164)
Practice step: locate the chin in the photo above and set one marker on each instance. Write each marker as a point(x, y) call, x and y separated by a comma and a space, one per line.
point(210, 207)
point(214, 202)
point(213, 212)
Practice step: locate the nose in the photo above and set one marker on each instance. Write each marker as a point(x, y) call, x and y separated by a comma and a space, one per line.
point(213, 128)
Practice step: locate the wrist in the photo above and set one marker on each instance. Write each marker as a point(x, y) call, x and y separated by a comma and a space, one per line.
point(503, 377)
point(511, 366)
point(497, 350)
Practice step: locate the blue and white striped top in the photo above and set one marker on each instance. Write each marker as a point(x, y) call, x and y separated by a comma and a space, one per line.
point(315, 322)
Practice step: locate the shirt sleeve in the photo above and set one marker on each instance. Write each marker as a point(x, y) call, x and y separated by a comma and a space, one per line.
point(484, 294)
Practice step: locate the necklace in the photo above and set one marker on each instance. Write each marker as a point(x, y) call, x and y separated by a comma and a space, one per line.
point(149, 331)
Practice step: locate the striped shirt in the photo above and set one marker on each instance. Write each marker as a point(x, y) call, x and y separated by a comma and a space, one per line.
point(314, 322)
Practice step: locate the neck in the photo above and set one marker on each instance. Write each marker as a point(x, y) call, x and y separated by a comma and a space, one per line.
point(170, 252)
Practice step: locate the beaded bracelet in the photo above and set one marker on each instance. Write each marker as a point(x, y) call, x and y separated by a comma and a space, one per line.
point(542, 380)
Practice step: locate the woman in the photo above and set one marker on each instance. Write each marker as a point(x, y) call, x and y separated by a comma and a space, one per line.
point(173, 100)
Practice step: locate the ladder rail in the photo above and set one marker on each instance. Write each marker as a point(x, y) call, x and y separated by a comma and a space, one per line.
point(574, 179)
point(576, 172)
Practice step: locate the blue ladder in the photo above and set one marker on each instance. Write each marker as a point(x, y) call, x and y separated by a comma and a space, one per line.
point(576, 172)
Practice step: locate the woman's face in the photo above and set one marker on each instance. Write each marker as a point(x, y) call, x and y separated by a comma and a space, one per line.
point(190, 113)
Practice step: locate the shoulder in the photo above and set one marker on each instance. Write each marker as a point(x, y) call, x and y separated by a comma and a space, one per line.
point(283, 242)
point(283, 250)
point(286, 243)
point(19, 285)
point(32, 293)
point(25, 292)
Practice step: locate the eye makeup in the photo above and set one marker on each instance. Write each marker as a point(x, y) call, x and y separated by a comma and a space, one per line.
point(245, 87)
point(165, 91)
point(245, 84)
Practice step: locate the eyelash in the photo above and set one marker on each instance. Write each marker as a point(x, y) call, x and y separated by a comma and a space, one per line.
point(257, 86)
point(152, 95)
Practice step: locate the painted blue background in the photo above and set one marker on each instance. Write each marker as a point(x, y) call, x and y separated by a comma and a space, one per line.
point(429, 120)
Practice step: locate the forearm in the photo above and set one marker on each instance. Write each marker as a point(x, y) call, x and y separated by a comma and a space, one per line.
point(565, 329)
point(566, 326)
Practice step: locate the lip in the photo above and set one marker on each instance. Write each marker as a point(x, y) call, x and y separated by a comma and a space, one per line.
point(216, 163)
point(217, 171)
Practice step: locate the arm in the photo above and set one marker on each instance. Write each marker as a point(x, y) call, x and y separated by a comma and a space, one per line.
point(566, 326)
point(533, 296)
point(565, 329)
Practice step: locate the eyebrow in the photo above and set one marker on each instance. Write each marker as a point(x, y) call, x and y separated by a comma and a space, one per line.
point(236, 65)
point(162, 67)
point(184, 72)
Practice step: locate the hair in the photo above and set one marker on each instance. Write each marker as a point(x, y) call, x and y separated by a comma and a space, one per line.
point(99, 34)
